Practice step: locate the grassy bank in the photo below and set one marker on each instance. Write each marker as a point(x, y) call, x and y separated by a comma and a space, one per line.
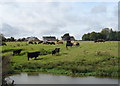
point(89, 59)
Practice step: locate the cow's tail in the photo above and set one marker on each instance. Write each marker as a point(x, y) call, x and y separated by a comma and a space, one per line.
point(66, 47)
point(28, 58)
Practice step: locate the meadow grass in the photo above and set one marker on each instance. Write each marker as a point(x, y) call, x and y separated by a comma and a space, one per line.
point(89, 59)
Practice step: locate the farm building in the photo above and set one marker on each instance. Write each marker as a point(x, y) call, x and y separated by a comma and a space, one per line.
point(49, 38)
point(32, 39)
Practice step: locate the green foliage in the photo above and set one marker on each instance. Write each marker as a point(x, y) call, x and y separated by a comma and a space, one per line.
point(106, 34)
point(11, 39)
point(2, 38)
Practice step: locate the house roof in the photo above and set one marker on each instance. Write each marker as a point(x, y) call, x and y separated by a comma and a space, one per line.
point(70, 36)
point(49, 37)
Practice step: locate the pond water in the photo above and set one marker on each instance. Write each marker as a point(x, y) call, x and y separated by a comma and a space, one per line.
point(40, 78)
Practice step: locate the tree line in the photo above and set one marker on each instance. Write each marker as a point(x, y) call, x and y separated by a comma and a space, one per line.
point(4, 39)
point(106, 34)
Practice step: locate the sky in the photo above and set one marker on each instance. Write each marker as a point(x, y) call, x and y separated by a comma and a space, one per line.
point(25, 19)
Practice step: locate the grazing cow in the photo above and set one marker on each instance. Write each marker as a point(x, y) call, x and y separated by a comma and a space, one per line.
point(33, 55)
point(30, 42)
point(57, 50)
point(46, 42)
point(52, 43)
point(59, 42)
point(4, 44)
point(40, 42)
point(17, 51)
point(99, 40)
point(35, 42)
point(95, 41)
point(75, 43)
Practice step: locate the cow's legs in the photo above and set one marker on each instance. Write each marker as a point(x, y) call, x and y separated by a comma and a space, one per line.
point(66, 47)
point(35, 58)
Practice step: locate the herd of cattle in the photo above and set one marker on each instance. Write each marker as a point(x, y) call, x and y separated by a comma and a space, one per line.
point(54, 43)
point(34, 54)
point(53, 52)
point(37, 53)
point(45, 42)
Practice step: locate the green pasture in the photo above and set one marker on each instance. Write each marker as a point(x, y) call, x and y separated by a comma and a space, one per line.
point(89, 59)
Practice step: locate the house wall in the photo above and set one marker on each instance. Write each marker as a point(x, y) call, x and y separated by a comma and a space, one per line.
point(49, 39)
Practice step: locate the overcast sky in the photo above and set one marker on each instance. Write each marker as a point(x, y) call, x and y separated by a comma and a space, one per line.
point(23, 19)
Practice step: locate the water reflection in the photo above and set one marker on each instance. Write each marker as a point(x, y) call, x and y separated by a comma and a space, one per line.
point(39, 78)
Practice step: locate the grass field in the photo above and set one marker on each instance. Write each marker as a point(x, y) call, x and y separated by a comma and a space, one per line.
point(89, 59)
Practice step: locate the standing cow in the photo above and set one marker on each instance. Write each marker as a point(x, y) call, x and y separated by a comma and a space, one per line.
point(57, 50)
point(68, 39)
point(30, 42)
point(40, 42)
point(33, 55)
point(69, 44)
point(17, 52)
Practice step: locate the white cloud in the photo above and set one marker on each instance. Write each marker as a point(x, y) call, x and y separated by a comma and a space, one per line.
point(55, 18)
point(99, 9)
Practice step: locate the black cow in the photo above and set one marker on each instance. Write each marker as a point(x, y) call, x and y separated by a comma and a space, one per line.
point(17, 51)
point(4, 44)
point(99, 40)
point(40, 42)
point(33, 54)
point(69, 44)
point(35, 42)
point(30, 42)
point(52, 43)
point(46, 42)
point(95, 41)
point(57, 50)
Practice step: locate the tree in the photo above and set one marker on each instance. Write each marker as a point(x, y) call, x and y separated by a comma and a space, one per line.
point(105, 32)
point(93, 36)
point(118, 35)
point(2, 38)
point(66, 36)
point(99, 36)
point(11, 39)
point(86, 37)
point(111, 35)
point(21, 39)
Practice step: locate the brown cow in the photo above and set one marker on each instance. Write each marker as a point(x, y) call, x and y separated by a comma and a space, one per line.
point(75, 43)
point(59, 42)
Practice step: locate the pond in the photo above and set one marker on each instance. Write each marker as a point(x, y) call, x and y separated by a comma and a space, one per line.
point(25, 78)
